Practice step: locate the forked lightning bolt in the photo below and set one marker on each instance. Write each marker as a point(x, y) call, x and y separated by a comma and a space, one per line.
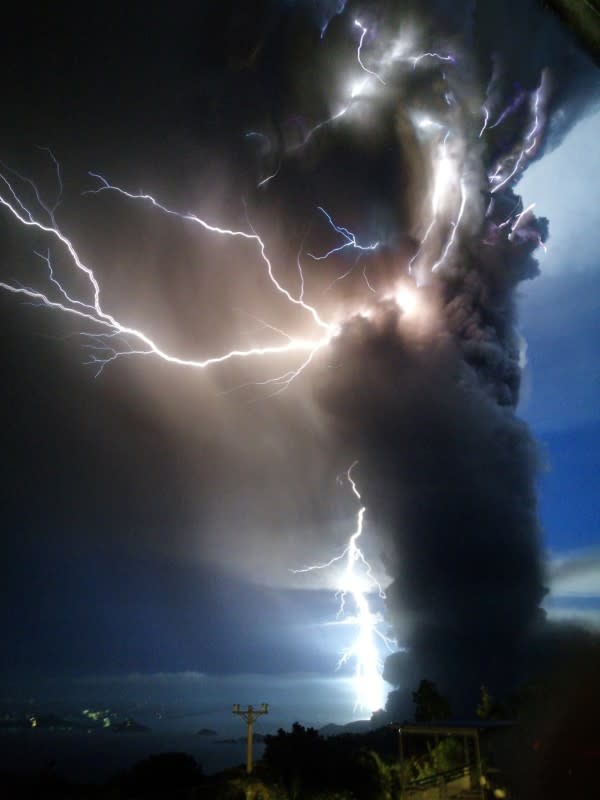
point(347, 235)
point(112, 338)
point(106, 345)
point(358, 582)
point(528, 145)
point(363, 33)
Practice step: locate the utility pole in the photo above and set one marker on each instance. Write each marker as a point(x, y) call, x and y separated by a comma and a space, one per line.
point(250, 714)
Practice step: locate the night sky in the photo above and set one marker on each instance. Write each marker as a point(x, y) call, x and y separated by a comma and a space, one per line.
point(151, 513)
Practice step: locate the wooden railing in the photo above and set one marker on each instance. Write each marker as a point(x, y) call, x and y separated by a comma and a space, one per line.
point(440, 781)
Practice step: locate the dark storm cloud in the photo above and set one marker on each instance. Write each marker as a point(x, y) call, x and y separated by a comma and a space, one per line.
point(448, 471)
point(448, 475)
point(515, 41)
point(446, 468)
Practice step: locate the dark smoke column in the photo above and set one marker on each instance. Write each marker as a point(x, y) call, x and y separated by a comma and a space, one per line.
point(429, 407)
point(448, 472)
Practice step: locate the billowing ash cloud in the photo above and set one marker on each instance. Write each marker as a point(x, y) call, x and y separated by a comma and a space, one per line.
point(447, 469)
point(448, 473)
point(423, 155)
point(417, 145)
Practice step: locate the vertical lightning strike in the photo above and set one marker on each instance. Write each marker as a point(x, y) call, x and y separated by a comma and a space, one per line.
point(364, 32)
point(366, 279)
point(518, 220)
point(338, 115)
point(357, 582)
point(444, 181)
point(511, 108)
point(486, 118)
point(455, 225)
point(529, 143)
point(339, 9)
point(356, 90)
point(269, 178)
point(392, 54)
point(420, 247)
point(443, 176)
point(441, 179)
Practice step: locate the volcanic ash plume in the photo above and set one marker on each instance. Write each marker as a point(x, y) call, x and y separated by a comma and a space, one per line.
point(425, 395)
point(382, 145)
point(449, 476)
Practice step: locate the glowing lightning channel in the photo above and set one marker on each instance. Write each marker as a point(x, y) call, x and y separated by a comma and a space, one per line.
point(486, 118)
point(529, 144)
point(338, 115)
point(416, 59)
point(369, 685)
point(444, 181)
point(104, 347)
point(364, 32)
point(509, 110)
point(356, 90)
point(421, 245)
point(390, 56)
point(270, 177)
point(518, 220)
point(339, 9)
point(455, 225)
point(349, 237)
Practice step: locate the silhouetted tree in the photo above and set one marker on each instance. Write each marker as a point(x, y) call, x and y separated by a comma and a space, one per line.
point(296, 758)
point(430, 705)
point(373, 779)
point(309, 766)
point(489, 707)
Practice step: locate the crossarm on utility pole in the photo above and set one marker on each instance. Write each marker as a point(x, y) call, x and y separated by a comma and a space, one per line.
point(249, 715)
